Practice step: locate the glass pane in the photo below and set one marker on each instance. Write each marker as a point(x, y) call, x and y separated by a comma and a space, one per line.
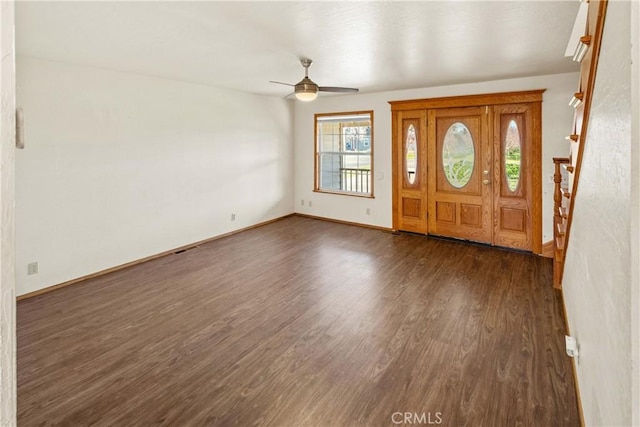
point(458, 155)
point(345, 172)
point(329, 171)
point(512, 155)
point(411, 150)
point(329, 137)
point(355, 173)
point(357, 138)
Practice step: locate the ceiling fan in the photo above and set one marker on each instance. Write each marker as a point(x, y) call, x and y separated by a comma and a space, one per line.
point(307, 90)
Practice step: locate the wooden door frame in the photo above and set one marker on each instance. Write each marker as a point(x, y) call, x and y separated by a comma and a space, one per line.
point(531, 96)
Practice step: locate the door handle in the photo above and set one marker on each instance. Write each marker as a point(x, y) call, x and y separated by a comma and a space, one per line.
point(485, 173)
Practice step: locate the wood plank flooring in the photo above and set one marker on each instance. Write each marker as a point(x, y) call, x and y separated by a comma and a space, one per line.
point(302, 323)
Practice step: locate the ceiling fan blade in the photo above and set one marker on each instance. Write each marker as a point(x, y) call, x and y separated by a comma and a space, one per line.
point(280, 83)
point(338, 89)
point(285, 97)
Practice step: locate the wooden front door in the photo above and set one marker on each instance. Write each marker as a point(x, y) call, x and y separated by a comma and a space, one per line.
point(469, 167)
point(459, 187)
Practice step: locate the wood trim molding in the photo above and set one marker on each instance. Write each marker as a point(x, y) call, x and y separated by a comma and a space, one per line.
point(316, 154)
point(339, 221)
point(536, 176)
point(469, 100)
point(394, 171)
point(561, 160)
point(573, 361)
point(143, 260)
point(345, 193)
point(548, 249)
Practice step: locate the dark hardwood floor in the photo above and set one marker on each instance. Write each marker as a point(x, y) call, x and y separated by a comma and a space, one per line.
point(302, 323)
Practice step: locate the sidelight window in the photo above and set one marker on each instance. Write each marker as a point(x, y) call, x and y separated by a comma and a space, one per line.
point(411, 150)
point(512, 156)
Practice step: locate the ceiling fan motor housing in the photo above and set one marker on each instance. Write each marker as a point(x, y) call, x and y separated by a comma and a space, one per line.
point(306, 85)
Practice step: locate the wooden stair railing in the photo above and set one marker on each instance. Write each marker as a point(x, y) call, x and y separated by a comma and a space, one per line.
point(564, 197)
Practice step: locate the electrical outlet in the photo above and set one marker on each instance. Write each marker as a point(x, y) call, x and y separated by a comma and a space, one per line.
point(573, 348)
point(32, 268)
point(309, 203)
point(550, 179)
point(301, 202)
point(233, 217)
point(368, 211)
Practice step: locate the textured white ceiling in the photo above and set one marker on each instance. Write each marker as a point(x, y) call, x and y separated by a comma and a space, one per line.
point(242, 45)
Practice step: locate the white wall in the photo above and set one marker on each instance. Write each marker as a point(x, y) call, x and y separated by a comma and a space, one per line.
point(597, 279)
point(119, 167)
point(635, 210)
point(7, 236)
point(557, 117)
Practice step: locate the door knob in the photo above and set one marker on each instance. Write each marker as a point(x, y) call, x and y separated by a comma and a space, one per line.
point(485, 182)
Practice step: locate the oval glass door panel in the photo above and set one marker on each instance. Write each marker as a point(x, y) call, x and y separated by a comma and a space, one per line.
point(458, 155)
point(411, 156)
point(512, 156)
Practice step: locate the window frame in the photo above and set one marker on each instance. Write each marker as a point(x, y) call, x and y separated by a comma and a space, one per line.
point(317, 153)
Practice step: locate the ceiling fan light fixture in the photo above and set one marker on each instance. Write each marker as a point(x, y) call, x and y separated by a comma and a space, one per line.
point(307, 90)
point(306, 96)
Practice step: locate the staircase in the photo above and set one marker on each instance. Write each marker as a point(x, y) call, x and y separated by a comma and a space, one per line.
point(587, 53)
